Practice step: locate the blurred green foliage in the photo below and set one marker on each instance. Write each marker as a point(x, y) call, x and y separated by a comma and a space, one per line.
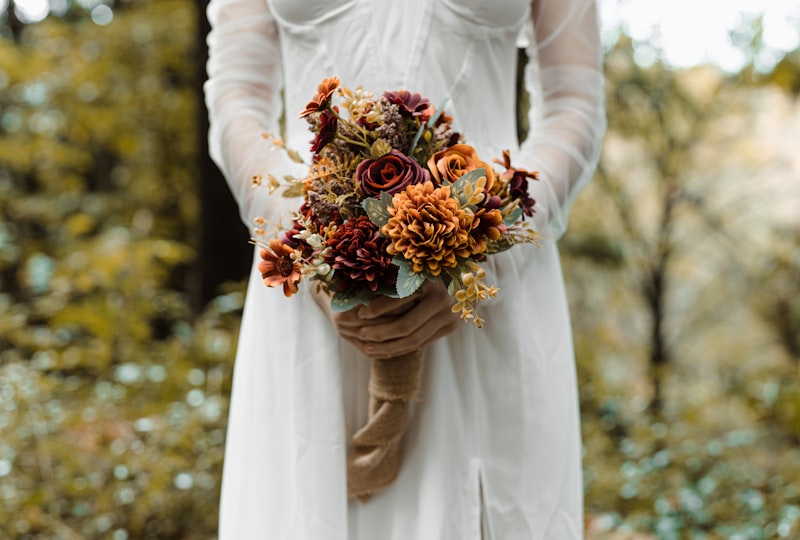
point(683, 268)
point(113, 393)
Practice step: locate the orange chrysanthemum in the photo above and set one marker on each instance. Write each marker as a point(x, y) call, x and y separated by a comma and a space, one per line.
point(320, 100)
point(428, 228)
point(278, 268)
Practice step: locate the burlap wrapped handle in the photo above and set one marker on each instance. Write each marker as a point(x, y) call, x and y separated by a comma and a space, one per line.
point(375, 458)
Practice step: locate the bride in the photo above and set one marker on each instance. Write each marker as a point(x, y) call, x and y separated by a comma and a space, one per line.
point(493, 447)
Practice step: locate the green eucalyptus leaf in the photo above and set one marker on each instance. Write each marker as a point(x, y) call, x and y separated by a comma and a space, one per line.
point(416, 139)
point(433, 119)
point(513, 217)
point(452, 288)
point(471, 177)
point(408, 281)
point(378, 209)
point(343, 302)
point(457, 187)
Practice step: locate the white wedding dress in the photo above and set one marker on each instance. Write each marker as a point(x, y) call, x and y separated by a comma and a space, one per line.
point(493, 450)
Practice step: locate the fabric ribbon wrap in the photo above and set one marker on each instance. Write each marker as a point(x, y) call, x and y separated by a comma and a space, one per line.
point(375, 458)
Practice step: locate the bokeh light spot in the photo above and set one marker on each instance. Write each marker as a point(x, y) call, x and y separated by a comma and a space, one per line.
point(102, 15)
point(184, 481)
point(31, 11)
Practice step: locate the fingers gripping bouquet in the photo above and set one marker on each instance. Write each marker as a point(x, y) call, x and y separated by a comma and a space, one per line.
point(393, 197)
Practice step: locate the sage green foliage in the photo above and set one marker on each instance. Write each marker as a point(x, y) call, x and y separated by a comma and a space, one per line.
point(113, 396)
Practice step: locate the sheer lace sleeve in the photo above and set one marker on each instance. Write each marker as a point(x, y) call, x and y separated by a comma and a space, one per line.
point(243, 98)
point(567, 117)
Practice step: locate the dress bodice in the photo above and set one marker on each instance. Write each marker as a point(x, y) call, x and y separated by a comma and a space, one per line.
point(483, 12)
point(462, 51)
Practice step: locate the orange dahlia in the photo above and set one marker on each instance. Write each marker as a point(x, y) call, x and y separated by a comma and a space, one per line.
point(428, 228)
point(320, 100)
point(278, 268)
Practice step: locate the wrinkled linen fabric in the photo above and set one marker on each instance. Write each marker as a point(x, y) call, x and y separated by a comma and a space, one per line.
point(493, 447)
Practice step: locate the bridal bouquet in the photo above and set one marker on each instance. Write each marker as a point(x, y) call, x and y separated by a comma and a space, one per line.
point(393, 197)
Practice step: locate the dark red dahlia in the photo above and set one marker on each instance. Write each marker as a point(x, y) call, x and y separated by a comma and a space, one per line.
point(518, 189)
point(358, 255)
point(328, 122)
point(410, 104)
point(518, 183)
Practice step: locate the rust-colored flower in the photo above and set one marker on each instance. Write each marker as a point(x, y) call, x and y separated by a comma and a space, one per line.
point(391, 173)
point(454, 162)
point(428, 228)
point(410, 104)
point(278, 268)
point(322, 98)
point(357, 252)
point(443, 119)
point(517, 180)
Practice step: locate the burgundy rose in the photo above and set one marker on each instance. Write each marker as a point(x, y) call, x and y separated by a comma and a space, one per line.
point(410, 104)
point(391, 173)
point(327, 131)
point(357, 252)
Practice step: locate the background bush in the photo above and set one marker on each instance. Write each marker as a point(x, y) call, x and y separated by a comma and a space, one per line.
point(113, 393)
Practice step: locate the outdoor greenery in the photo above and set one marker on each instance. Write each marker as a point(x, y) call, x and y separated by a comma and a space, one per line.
point(682, 263)
point(112, 392)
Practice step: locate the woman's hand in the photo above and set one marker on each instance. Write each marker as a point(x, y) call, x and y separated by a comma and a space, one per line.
point(390, 327)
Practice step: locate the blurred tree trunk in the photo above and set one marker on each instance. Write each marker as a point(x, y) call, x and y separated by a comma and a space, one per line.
point(12, 22)
point(224, 253)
